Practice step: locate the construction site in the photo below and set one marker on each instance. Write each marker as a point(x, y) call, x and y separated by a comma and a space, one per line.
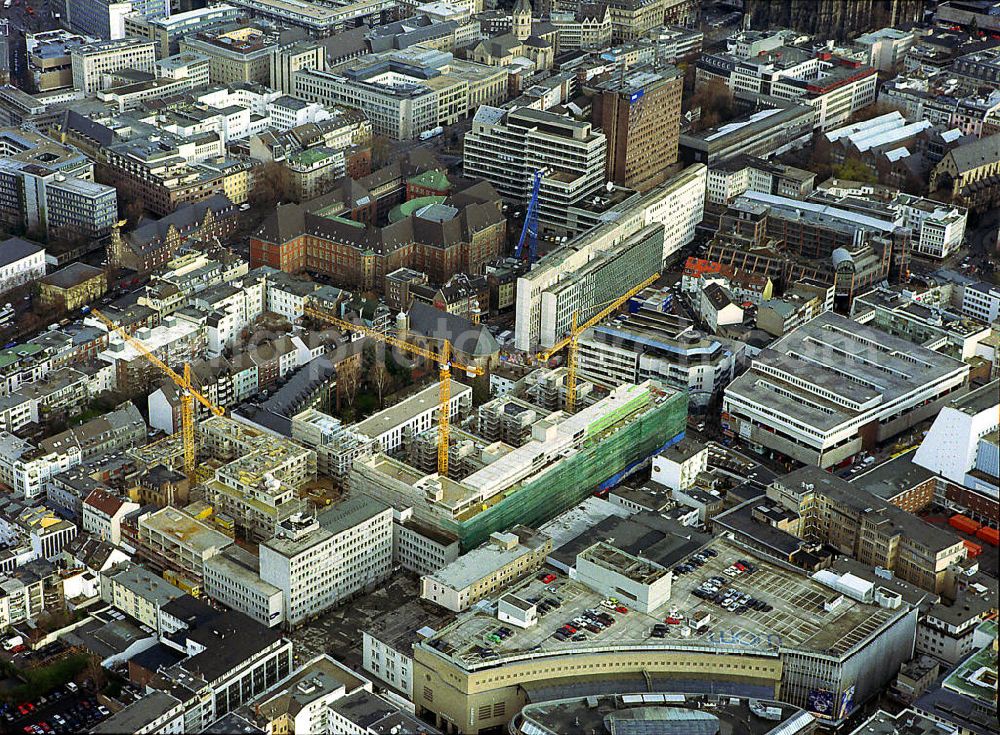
point(517, 460)
point(521, 458)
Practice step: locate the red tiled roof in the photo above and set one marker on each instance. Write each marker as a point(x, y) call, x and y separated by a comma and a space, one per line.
point(104, 501)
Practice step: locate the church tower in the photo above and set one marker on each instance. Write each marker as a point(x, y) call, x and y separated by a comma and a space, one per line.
point(521, 25)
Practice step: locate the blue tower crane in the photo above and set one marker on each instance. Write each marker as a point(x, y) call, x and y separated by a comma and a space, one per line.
point(530, 230)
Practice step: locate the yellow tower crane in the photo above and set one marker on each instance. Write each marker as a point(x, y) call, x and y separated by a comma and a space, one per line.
point(442, 358)
point(571, 340)
point(189, 394)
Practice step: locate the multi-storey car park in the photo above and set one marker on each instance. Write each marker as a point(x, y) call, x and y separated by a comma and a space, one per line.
point(815, 648)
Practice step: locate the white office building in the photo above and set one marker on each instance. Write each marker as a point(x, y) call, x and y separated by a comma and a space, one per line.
point(317, 563)
point(833, 387)
point(507, 148)
point(571, 278)
point(416, 414)
point(982, 301)
point(678, 466)
point(232, 578)
point(94, 62)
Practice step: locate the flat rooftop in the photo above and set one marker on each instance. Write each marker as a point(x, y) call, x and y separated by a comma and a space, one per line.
point(318, 678)
point(629, 566)
point(388, 419)
point(798, 620)
point(469, 568)
point(889, 479)
point(401, 628)
point(979, 400)
point(185, 530)
point(832, 369)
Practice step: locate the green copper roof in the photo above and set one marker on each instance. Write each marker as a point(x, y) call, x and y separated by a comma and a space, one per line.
point(404, 210)
point(432, 179)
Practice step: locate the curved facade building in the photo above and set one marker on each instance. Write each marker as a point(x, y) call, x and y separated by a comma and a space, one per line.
point(814, 648)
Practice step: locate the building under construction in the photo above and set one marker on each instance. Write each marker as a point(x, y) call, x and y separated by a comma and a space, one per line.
point(563, 458)
point(256, 475)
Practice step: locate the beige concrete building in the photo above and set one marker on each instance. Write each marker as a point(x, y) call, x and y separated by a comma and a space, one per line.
point(172, 540)
point(876, 533)
point(481, 573)
point(235, 56)
point(93, 62)
point(291, 58)
point(466, 681)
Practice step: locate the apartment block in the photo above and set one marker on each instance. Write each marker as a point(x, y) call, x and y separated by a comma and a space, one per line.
point(934, 326)
point(587, 27)
point(31, 531)
point(138, 592)
point(103, 513)
point(258, 476)
point(94, 63)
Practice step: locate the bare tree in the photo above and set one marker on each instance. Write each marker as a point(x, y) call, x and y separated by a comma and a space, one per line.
point(96, 673)
point(380, 379)
point(132, 211)
point(348, 378)
point(381, 151)
point(716, 102)
point(272, 183)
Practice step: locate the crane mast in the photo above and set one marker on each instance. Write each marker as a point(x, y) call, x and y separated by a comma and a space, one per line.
point(188, 393)
point(571, 340)
point(442, 358)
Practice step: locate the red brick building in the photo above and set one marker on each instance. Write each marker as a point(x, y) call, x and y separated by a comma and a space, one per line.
point(338, 238)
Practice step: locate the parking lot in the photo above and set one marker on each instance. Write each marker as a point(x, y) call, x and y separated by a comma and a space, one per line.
point(794, 616)
point(61, 711)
